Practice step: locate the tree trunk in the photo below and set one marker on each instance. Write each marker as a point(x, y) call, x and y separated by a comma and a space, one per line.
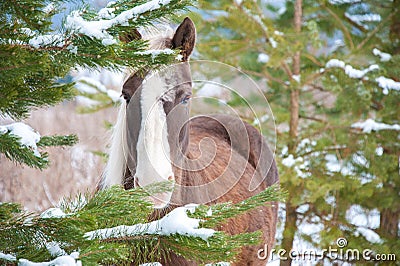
point(389, 221)
point(291, 217)
point(288, 233)
point(395, 27)
point(294, 94)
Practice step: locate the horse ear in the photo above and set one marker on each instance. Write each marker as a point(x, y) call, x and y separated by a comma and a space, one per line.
point(184, 38)
point(127, 37)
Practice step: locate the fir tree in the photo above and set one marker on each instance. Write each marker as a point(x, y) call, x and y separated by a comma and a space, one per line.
point(72, 231)
point(35, 58)
point(330, 66)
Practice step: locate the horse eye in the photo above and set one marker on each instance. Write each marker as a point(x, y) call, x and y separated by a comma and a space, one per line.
point(186, 99)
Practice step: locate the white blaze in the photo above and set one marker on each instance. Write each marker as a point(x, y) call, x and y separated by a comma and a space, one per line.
point(153, 151)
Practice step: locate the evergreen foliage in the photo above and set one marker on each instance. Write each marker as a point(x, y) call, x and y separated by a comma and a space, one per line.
point(341, 178)
point(32, 237)
point(35, 58)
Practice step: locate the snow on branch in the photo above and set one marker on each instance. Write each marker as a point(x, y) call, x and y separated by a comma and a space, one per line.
point(7, 257)
point(370, 125)
point(27, 136)
point(387, 84)
point(155, 52)
point(349, 70)
point(384, 56)
point(360, 18)
point(65, 260)
point(98, 28)
point(53, 213)
point(175, 222)
point(340, 2)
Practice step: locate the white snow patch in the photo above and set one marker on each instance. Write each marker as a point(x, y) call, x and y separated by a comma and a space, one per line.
point(55, 249)
point(379, 151)
point(339, 2)
point(370, 125)
point(273, 43)
point(8, 257)
point(68, 260)
point(296, 78)
point(370, 235)
point(332, 163)
point(179, 57)
point(106, 13)
point(338, 43)
point(175, 222)
point(366, 221)
point(151, 264)
point(289, 161)
point(27, 31)
point(387, 84)
point(263, 58)
point(108, 41)
point(335, 63)
point(73, 49)
point(49, 8)
point(45, 40)
point(297, 164)
point(305, 145)
point(356, 74)
point(27, 136)
point(384, 56)
point(53, 213)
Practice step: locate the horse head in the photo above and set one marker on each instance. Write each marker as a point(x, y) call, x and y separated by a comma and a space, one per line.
point(157, 112)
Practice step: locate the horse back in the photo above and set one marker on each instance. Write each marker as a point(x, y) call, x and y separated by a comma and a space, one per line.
point(229, 160)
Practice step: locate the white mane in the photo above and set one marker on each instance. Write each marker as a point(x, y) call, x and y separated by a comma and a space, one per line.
point(114, 171)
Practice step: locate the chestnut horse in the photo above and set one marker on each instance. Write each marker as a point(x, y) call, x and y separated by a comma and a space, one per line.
point(210, 159)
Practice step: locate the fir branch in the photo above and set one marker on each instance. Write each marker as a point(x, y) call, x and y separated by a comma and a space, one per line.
point(29, 238)
point(224, 211)
point(67, 140)
point(340, 23)
point(13, 150)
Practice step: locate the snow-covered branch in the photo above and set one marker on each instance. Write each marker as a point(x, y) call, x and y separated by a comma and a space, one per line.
point(176, 222)
point(26, 135)
point(370, 125)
